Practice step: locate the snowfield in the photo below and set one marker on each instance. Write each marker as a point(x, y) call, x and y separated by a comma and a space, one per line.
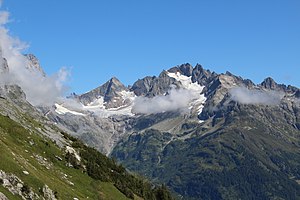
point(195, 101)
point(195, 88)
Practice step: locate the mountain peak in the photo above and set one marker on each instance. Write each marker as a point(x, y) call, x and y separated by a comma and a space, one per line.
point(185, 69)
point(115, 80)
point(3, 66)
point(109, 91)
point(200, 75)
point(269, 83)
point(34, 64)
point(115, 84)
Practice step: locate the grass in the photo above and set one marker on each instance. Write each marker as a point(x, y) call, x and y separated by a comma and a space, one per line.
point(108, 188)
point(9, 195)
point(18, 155)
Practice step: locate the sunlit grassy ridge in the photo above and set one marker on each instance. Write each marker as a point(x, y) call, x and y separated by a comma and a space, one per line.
point(97, 177)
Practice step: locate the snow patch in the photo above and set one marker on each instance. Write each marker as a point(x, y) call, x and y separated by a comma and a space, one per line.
point(60, 109)
point(127, 95)
point(97, 107)
point(199, 100)
point(98, 103)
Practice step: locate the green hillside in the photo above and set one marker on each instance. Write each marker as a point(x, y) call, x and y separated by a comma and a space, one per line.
point(37, 161)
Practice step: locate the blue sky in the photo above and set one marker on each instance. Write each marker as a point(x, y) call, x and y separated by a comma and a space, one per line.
point(99, 39)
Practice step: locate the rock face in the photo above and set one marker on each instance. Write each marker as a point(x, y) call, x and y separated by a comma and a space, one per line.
point(48, 194)
point(3, 66)
point(110, 92)
point(3, 197)
point(185, 69)
point(34, 64)
point(153, 86)
point(11, 92)
point(14, 105)
point(16, 186)
point(98, 132)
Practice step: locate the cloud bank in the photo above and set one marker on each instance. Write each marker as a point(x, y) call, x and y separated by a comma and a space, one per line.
point(177, 99)
point(246, 96)
point(39, 90)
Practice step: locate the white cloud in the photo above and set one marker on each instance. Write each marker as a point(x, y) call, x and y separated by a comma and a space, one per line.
point(4, 16)
point(176, 99)
point(246, 96)
point(39, 90)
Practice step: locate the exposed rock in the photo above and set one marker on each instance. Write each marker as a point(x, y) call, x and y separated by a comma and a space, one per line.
point(201, 75)
point(110, 92)
point(26, 172)
point(16, 186)
point(3, 66)
point(43, 161)
point(153, 86)
point(270, 84)
point(3, 197)
point(48, 194)
point(184, 69)
point(34, 64)
point(14, 105)
point(12, 92)
point(72, 151)
point(297, 94)
point(101, 133)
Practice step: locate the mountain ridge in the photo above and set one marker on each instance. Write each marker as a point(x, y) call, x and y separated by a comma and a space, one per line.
point(204, 135)
point(223, 140)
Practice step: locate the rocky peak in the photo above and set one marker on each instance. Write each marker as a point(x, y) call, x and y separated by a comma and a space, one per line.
point(184, 69)
point(270, 84)
point(201, 75)
point(153, 86)
point(115, 84)
point(217, 93)
point(34, 64)
point(142, 86)
point(3, 66)
point(109, 91)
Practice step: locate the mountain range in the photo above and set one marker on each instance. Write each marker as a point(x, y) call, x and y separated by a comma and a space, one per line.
point(202, 134)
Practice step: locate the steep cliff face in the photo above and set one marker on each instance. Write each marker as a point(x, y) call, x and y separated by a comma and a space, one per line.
point(110, 93)
point(33, 64)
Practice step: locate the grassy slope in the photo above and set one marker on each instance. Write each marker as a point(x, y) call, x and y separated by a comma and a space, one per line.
point(18, 155)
